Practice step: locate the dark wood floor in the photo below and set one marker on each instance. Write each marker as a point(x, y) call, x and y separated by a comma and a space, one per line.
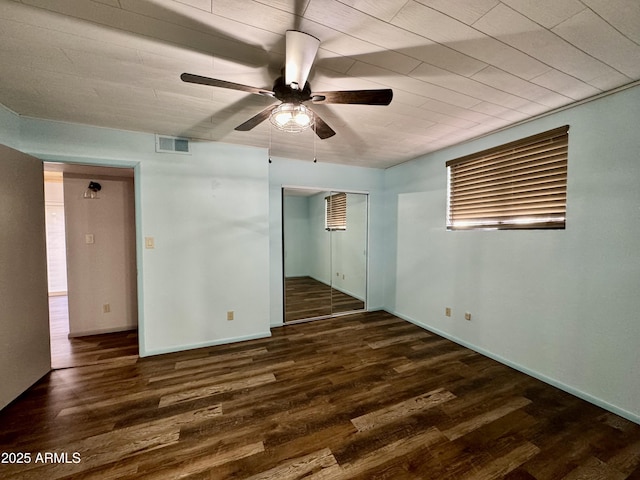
point(306, 297)
point(359, 397)
point(90, 350)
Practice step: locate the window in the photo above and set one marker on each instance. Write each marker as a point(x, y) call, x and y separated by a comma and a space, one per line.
point(522, 184)
point(336, 211)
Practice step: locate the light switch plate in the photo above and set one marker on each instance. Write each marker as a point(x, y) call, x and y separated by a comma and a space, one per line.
point(88, 238)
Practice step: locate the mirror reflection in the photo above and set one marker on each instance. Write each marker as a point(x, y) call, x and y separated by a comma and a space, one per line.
point(325, 253)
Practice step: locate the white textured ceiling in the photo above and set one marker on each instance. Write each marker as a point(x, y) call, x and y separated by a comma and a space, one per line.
point(458, 68)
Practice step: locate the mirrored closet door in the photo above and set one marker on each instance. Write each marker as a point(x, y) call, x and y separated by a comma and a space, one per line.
point(325, 253)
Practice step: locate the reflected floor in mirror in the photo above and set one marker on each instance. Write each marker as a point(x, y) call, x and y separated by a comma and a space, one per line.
point(306, 297)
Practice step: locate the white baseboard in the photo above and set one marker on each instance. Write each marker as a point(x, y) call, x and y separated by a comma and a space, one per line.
point(222, 341)
point(100, 331)
point(532, 373)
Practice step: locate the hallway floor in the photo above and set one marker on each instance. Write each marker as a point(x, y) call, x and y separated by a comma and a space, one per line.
point(90, 350)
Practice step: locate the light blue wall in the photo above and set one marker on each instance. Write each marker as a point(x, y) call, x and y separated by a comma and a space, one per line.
point(296, 236)
point(319, 240)
point(348, 249)
point(9, 128)
point(216, 219)
point(561, 305)
point(340, 253)
point(209, 215)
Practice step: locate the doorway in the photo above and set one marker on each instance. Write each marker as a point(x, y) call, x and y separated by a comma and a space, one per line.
point(56, 267)
point(324, 253)
point(91, 263)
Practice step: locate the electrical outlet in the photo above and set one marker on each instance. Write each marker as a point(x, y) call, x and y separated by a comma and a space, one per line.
point(106, 308)
point(447, 311)
point(467, 316)
point(230, 315)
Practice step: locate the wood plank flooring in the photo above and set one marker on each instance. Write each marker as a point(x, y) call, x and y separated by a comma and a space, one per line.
point(306, 297)
point(366, 396)
point(93, 349)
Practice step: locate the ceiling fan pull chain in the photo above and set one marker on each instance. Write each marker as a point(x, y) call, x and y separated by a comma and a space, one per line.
point(270, 130)
point(315, 134)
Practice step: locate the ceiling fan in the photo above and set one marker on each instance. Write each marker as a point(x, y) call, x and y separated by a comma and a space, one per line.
point(293, 90)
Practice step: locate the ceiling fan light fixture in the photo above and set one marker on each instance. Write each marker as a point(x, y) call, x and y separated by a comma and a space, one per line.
point(291, 117)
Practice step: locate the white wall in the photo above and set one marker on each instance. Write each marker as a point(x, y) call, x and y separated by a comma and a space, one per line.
point(284, 172)
point(209, 215)
point(24, 318)
point(561, 305)
point(103, 272)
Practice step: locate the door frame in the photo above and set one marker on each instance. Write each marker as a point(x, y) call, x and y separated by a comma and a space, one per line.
point(135, 165)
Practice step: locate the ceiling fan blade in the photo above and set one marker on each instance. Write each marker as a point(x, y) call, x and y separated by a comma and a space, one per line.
point(213, 82)
point(301, 49)
point(321, 128)
point(256, 119)
point(359, 97)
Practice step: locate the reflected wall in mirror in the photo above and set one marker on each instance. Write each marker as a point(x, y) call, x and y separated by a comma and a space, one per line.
point(325, 263)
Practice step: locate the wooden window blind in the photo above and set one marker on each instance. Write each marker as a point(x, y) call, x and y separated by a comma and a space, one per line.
point(336, 211)
point(522, 184)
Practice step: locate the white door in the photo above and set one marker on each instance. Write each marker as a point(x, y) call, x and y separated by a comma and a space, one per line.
point(24, 316)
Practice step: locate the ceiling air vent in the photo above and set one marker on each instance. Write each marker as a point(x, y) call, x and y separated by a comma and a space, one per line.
point(166, 144)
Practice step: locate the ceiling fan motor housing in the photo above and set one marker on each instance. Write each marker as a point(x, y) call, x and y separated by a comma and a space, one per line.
point(287, 94)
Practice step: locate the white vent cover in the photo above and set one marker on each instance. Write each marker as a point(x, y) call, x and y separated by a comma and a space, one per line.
point(165, 144)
